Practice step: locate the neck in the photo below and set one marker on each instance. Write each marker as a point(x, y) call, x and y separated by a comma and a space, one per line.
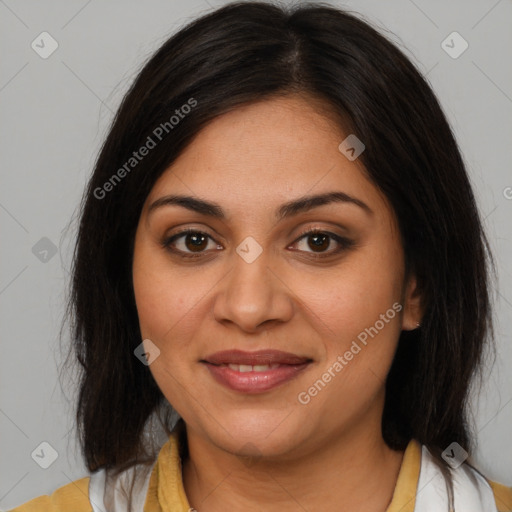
point(351, 472)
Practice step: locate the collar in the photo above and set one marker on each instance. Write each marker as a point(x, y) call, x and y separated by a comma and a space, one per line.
point(166, 491)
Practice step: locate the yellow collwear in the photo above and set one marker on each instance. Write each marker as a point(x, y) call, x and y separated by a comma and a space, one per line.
point(419, 488)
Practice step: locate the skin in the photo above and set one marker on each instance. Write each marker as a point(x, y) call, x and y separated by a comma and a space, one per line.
point(268, 451)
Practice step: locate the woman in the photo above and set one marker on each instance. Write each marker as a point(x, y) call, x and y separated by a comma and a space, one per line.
point(280, 247)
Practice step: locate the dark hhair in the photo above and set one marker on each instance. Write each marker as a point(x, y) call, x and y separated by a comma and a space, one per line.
point(251, 51)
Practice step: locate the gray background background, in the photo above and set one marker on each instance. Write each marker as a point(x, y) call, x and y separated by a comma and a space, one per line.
point(54, 114)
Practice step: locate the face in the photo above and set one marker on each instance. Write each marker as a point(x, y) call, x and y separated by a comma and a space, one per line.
point(276, 324)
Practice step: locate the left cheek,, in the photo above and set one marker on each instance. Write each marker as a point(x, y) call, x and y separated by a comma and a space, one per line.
point(366, 326)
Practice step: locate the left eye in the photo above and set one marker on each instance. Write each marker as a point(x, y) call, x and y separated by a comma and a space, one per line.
point(319, 241)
